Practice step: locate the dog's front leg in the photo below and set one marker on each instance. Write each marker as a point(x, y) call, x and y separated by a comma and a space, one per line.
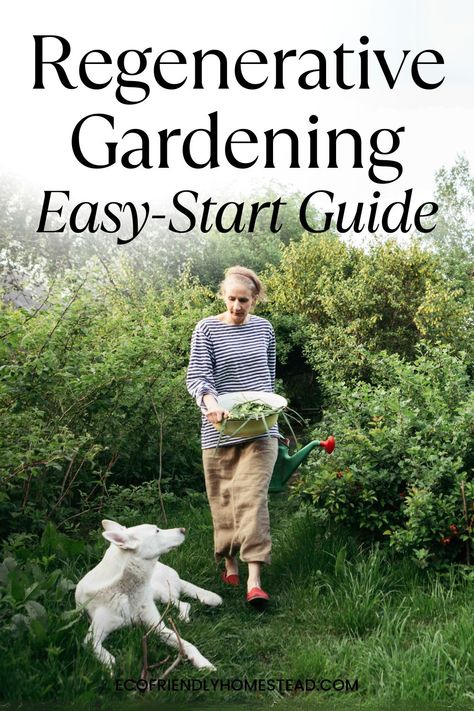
point(150, 617)
point(205, 596)
point(103, 623)
point(183, 609)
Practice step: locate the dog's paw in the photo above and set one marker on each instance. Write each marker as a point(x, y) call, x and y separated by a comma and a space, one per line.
point(184, 608)
point(107, 660)
point(197, 659)
point(110, 667)
point(212, 599)
point(203, 663)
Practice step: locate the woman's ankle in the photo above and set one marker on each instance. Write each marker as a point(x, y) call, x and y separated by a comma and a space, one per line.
point(253, 580)
point(231, 566)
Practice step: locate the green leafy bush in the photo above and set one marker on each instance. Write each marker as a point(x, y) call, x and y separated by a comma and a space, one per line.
point(354, 302)
point(403, 467)
point(92, 391)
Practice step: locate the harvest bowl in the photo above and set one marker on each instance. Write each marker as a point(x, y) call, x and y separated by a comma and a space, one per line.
point(251, 424)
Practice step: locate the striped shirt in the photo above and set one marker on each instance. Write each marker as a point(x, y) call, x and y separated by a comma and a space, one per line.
point(228, 358)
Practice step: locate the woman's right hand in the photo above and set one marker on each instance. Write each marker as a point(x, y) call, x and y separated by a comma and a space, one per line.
point(216, 414)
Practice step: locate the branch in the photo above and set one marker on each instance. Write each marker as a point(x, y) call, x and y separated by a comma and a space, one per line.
point(144, 674)
point(160, 459)
point(107, 271)
point(466, 516)
point(69, 486)
point(56, 325)
point(32, 315)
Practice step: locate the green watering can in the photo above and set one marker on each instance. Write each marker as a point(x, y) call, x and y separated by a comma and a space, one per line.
point(287, 463)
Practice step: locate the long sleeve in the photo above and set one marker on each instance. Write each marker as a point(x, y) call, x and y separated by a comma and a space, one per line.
point(272, 359)
point(200, 375)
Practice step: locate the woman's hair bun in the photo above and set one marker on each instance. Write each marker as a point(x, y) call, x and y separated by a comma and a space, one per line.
point(247, 277)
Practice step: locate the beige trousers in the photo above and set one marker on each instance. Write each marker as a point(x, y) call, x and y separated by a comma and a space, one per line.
point(237, 480)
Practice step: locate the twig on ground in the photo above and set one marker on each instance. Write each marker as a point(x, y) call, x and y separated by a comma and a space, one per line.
point(146, 667)
point(181, 655)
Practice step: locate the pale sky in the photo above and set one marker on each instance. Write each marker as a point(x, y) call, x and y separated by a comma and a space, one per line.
point(35, 141)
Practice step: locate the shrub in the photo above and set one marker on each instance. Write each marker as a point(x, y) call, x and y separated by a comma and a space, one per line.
point(353, 303)
point(92, 390)
point(403, 465)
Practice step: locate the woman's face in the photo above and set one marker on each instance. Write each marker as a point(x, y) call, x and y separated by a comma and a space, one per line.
point(239, 301)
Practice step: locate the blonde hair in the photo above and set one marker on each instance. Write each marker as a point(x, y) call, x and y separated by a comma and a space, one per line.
point(246, 277)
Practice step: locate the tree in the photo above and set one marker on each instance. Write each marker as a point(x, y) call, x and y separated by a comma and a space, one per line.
point(453, 236)
point(354, 303)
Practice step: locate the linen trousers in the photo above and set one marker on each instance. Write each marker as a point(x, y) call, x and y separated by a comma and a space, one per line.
point(237, 479)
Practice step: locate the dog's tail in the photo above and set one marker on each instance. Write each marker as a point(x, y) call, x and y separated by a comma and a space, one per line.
point(205, 596)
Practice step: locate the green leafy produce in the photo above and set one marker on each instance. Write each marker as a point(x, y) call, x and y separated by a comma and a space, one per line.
point(244, 412)
point(253, 410)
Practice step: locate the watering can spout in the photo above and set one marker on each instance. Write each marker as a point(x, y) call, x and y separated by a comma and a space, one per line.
point(287, 463)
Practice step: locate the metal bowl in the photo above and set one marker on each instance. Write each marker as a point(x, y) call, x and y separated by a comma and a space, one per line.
point(256, 426)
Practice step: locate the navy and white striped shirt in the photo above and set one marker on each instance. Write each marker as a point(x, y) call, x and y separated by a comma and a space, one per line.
point(227, 358)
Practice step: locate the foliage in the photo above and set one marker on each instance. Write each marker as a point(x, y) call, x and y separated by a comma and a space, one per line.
point(153, 257)
point(92, 390)
point(361, 613)
point(258, 249)
point(454, 232)
point(95, 422)
point(353, 303)
point(403, 467)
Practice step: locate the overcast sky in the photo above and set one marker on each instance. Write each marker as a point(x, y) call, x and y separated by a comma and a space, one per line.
point(37, 125)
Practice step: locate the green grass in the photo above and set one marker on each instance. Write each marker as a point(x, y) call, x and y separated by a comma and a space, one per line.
point(339, 610)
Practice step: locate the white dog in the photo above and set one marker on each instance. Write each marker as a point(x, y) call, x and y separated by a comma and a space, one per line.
point(122, 588)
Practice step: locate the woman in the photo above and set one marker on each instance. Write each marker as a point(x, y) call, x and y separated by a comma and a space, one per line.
point(233, 351)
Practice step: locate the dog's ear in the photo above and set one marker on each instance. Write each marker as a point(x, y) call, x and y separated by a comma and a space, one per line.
point(108, 525)
point(121, 539)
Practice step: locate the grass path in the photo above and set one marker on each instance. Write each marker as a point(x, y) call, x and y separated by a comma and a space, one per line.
point(339, 611)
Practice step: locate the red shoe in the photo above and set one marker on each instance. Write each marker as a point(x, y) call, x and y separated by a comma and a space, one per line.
point(257, 597)
point(232, 579)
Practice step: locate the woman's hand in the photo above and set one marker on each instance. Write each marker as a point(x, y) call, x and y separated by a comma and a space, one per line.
point(216, 414)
